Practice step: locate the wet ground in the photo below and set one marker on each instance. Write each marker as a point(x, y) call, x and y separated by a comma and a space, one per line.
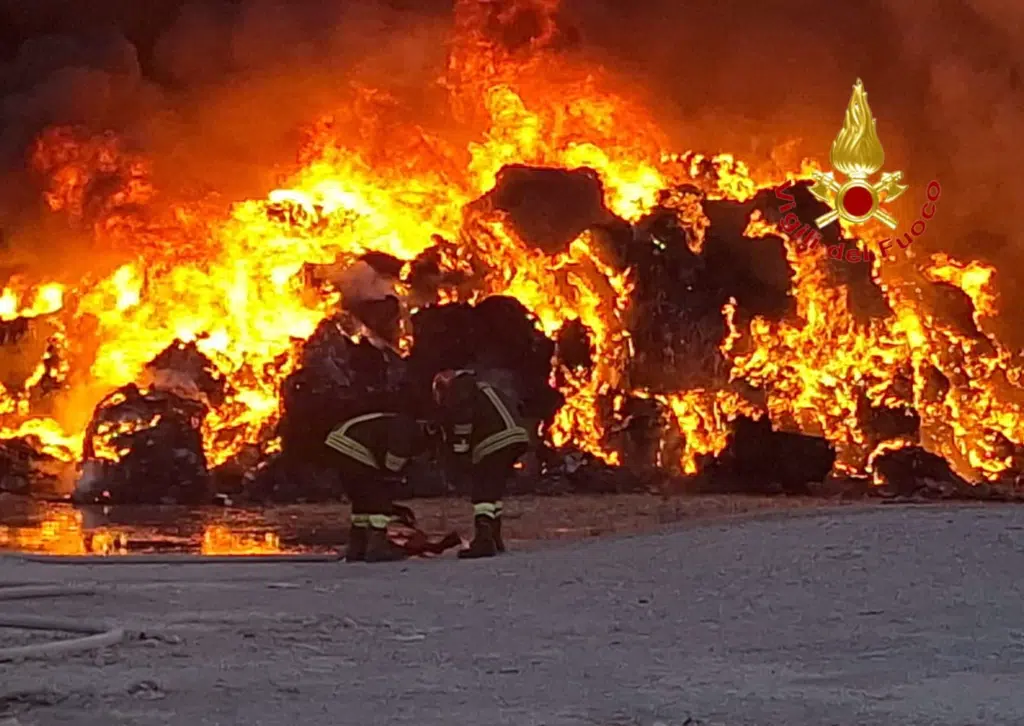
point(62, 529)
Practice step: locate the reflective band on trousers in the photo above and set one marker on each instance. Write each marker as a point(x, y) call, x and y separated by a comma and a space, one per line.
point(341, 442)
point(379, 521)
point(484, 509)
point(497, 508)
point(360, 520)
point(394, 463)
point(511, 434)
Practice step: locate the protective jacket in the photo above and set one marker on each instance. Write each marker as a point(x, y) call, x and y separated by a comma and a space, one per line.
point(384, 441)
point(479, 420)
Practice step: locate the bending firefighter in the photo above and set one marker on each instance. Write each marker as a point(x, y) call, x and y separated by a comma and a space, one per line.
point(484, 439)
point(371, 451)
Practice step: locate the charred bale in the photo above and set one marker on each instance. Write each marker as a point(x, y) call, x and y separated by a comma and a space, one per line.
point(677, 322)
point(145, 447)
point(573, 346)
point(867, 300)
point(430, 273)
point(885, 423)
point(182, 368)
point(25, 343)
point(955, 308)
point(337, 378)
point(759, 460)
point(25, 468)
point(570, 471)
point(546, 207)
point(913, 472)
point(498, 338)
point(286, 478)
point(754, 272)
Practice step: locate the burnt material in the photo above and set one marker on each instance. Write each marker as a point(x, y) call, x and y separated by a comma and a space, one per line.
point(26, 469)
point(145, 447)
point(758, 460)
point(573, 345)
point(182, 366)
point(913, 472)
point(499, 338)
point(337, 379)
point(547, 208)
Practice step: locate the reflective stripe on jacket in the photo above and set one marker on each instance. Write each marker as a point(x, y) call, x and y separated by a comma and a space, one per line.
point(509, 434)
point(341, 439)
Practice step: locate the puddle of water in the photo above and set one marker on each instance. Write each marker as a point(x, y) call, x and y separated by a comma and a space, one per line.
point(63, 529)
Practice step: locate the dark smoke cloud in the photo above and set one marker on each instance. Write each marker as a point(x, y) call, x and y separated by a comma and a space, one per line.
point(214, 92)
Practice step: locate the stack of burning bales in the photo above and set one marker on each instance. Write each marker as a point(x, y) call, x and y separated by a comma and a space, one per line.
point(688, 260)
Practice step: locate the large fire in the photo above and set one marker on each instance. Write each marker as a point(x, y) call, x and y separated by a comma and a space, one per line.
point(372, 179)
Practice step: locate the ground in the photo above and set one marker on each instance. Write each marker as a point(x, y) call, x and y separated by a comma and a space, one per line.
point(846, 616)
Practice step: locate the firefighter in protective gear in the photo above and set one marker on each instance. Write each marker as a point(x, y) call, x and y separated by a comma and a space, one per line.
point(371, 451)
point(484, 437)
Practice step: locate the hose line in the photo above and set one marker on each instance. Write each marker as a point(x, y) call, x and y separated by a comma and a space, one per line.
point(95, 636)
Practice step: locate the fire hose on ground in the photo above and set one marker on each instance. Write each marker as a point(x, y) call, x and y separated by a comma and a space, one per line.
point(97, 635)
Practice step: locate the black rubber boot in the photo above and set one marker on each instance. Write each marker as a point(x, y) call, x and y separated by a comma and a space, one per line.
point(380, 549)
point(356, 549)
point(483, 544)
point(499, 543)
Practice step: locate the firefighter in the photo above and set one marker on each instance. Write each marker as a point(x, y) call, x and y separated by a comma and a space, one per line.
point(371, 451)
point(484, 437)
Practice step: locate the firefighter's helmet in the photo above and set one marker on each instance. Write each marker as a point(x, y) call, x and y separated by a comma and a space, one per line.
point(443, 383)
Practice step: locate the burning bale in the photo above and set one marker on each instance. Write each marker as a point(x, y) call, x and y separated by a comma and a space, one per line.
point(680, 307)
point(912, 472)
point(336, 378)
point(498, 338)
point(145, 445)
point(26, 468)
point(759, 459)
point(547, 208)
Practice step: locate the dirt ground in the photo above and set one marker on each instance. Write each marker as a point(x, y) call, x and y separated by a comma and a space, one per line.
point(806, 616)
point(530, 519)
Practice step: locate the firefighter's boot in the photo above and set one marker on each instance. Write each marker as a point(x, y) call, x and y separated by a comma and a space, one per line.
point(499, 542)
point(355, 551)
point(483, 544)
point(380, 549)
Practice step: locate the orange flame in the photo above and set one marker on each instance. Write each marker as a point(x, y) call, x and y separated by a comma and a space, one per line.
point(231, 282)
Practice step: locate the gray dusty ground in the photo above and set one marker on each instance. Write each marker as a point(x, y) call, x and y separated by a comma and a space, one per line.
point(887, 616)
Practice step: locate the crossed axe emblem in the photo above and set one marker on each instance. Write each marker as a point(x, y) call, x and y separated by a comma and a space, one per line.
point(831, 192)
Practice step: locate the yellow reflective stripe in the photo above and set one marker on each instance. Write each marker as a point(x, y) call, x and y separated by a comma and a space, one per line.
point(360, 520)
point(499, 405)
point(461, 447)
point(394, 463)
point(484, 509)
point(343, 429)
point(498, 506)
point(500, 440)
point(339, 441)
point(379, 521)
point(351, 448)
point(462, 429)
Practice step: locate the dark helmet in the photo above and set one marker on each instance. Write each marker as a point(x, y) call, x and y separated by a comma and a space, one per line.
point(443, 382)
